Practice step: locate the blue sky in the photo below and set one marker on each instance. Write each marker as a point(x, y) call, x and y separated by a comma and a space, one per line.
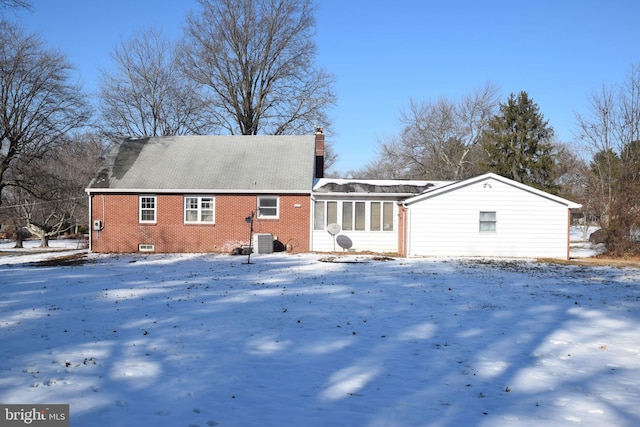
point(385, 53)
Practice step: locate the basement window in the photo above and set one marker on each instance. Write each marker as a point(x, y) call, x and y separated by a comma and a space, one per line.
point(488, 222)
point(145, 247)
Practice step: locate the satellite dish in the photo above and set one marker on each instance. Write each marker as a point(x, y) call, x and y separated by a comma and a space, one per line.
point(344, 242)
point(333, 228)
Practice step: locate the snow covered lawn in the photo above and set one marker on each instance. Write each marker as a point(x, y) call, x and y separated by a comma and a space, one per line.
point(288, 340)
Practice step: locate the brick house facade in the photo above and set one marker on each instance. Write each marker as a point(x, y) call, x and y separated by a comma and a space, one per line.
point(123, 233)
point(141, 198)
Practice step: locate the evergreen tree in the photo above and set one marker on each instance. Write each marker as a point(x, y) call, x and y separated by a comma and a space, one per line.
point(518, 145)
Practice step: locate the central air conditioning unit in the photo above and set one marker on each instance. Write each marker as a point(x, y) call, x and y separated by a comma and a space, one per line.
point(263, 243)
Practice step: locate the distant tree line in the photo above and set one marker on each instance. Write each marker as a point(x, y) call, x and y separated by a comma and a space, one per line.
point(457, 139)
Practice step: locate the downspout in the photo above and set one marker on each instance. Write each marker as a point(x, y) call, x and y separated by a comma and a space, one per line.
point(312, 216)
point(90, 221)
point(402, 209)
point(568, 234)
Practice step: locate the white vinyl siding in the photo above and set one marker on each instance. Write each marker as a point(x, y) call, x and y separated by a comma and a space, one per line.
point(446, 224)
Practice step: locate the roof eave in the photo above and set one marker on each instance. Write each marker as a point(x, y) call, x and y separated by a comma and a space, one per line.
point(90, 191)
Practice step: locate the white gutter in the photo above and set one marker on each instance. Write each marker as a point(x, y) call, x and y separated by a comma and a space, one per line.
point(189, 191)
point(90, 222)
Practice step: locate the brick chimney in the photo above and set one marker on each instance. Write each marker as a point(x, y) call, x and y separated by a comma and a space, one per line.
point(319, 153)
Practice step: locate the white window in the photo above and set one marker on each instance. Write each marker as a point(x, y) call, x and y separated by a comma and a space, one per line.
point(488, 222)
point(318, 215)
point(199, 210)
point(381, 216)
point(268, 207)
point(148, 209)
point(353, 216)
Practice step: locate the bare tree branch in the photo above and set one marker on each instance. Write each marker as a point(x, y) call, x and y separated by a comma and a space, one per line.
point(38, 102)
point(147, 95)
point(256, 57)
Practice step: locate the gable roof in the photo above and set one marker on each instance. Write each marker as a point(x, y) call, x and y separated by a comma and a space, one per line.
point(403, 188)
point(488, 177)
point(220, 163)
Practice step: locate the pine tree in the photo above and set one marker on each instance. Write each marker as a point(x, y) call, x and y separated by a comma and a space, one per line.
point(518, 145)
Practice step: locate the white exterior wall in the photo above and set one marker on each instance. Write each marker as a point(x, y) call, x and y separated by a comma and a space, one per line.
point(528, 224)
point(374, 241)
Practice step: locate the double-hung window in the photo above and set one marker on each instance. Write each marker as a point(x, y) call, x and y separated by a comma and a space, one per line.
point(148, 207)
point(268, 207)
point(199, 210)
point(488, 222)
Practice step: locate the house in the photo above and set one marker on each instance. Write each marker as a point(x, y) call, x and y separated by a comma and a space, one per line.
point(195, 193)
point(488, 215)
point(365, 211)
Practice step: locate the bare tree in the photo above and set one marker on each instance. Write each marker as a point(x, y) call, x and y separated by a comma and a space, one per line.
point(611, 131)
point(50, 199)
point(441, 140)
point(386, 165)
point(256, 57)
point(577, 182)
point(146, 94)
point(15, 4)
point(597, 133)
point(38, 102)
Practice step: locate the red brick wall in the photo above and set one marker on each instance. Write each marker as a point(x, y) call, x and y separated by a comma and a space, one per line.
point(122, 231)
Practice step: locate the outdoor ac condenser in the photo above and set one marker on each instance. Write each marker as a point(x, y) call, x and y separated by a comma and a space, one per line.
point(263, 243)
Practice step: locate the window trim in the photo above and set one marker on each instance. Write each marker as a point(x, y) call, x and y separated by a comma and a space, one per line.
point(358, 213)
point(380, 227)
point(154, 209)
point(199, 209)
point(259, 209)
point(319, 215)
point(490, 225)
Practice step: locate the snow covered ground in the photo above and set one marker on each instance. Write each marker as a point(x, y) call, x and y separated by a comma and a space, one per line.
point(289, 340)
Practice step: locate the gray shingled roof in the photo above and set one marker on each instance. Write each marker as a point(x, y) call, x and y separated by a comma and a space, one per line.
point(221, 163)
